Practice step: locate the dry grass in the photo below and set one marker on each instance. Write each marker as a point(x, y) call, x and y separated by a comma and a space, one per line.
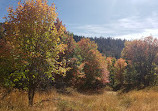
point(143, 100)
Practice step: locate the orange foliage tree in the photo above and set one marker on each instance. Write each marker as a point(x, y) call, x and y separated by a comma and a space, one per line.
point(94, 66)
point(120, 66)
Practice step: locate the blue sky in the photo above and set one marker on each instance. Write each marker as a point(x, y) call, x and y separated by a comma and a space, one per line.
point(130, 19)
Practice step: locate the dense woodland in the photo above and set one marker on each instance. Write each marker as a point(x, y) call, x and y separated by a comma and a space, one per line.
point(108, 46)
point(38, 53)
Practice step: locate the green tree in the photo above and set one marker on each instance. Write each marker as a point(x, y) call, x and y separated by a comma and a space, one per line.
point(131, 75)
point(31, 32)
point(110, 66)
point(7, 64)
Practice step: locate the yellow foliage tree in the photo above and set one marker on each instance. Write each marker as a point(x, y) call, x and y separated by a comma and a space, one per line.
point(31, 31)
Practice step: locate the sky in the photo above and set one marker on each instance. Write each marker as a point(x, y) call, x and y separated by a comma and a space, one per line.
point(125, 19)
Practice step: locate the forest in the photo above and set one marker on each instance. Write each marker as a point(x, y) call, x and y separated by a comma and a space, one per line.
point(38, 55)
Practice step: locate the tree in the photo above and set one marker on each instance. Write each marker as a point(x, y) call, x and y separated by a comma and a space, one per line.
point(110, 66)
point(142, 54)
point(120, 66)
point(71, 60)
point(31, 32)
point(117, 69)
point(6, 63)
point(93, 65)
point(130, 75)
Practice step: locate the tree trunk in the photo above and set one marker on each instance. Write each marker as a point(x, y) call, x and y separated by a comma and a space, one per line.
point(31, 94)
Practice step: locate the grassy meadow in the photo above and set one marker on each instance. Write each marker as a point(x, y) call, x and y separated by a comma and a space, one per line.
point(142, 100)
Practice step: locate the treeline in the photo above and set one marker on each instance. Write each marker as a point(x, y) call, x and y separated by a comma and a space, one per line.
point(138, 68)
point(109, 46)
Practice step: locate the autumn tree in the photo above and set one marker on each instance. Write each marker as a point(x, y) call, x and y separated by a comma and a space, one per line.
point(67, 56)
point(117, 69)
point(93, 65)
point(142, 54)
point(31, 32)
point(71, 60)
point(120, 66)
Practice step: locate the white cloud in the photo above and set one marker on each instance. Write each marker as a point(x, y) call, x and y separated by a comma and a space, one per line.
point(136, 35)
point(128, 28)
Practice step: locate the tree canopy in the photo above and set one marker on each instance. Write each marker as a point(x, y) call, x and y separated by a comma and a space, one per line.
point(35, 42)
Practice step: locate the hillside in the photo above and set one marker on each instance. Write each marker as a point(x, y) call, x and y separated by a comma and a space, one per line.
point(109, 47)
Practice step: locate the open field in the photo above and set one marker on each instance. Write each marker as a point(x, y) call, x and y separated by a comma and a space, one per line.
point(142, 100)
